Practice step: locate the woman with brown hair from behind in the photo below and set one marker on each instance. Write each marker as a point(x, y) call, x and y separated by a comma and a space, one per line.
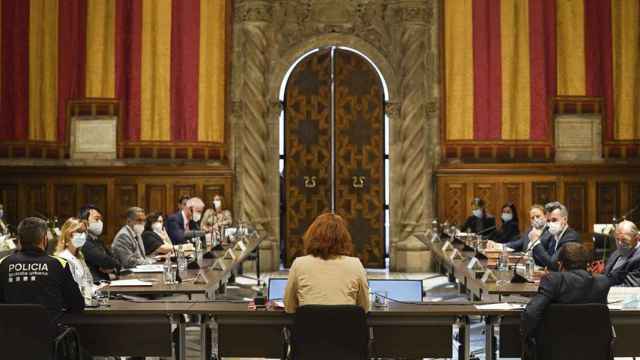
point(327, 274)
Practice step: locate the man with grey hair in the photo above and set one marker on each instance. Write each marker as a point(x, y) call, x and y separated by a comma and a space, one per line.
point(187, 219)
point(127, 245)
point(559, 233)
point(30, 276)
point(623, 266)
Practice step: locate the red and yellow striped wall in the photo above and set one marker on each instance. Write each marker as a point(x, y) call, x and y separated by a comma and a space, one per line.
point(506, 59)
point(163, 59)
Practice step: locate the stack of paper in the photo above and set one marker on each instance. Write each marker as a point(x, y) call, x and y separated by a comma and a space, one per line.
point(148, 269)
point(500, 306)
point(130, 282)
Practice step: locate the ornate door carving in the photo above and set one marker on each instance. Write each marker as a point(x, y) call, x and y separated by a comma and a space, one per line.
point(357, 106)
point(307, 147)
point(359, 114)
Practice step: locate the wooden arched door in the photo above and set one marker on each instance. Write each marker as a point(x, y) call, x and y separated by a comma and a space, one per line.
point(334, 150)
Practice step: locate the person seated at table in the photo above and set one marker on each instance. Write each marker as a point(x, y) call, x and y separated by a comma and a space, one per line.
point(97, 255)
point(551, 241)
point(127, 245)
point(216, 218)
point(155, 238)
point(182, 201)
point(480, 222)
point(328, 274)
point(509, 228)
point(623, 266)
point(538, 225)
point(72, 238)
point(30, 276)
point(573, 284)
point(184, 220)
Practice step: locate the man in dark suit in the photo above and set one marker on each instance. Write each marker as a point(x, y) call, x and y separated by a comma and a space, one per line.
point(623, 266)
point(184, 220)
point(557, 235)
point(97, 255)
point(571, 285)
point(480, 222)
point(538, 228)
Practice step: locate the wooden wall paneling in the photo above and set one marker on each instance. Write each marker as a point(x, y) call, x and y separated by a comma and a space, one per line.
point(95, 194)
point(35, 201)
point(454, 203)
point(543, 192)
point(9, 200)
point(65, 202)
point(607, 201)
point(633, 196)
point(514, 193)
point(488, 193)
point(575, 199)
point(126, 196)
point(156, 198)
point(178, 191)
point(209, 191)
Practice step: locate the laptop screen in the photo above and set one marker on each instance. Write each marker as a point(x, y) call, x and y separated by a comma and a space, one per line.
point(401, 290)
point(276, 288)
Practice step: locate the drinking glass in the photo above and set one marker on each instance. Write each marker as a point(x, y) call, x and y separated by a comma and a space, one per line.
point(379, 299)
point(103, 292)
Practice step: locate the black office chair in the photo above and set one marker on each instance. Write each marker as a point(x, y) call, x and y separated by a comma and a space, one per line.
point(26, 333)
point(575, 332)
point(322, 332)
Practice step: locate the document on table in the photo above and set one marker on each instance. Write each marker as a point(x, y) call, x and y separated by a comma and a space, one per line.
point(500, 306)
point(130, 282)
point(154, 268)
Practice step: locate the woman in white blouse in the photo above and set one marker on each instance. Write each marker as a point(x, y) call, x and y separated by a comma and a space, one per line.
point(72, 238)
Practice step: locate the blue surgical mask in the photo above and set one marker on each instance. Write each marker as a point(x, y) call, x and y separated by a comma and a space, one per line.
point(78, 240)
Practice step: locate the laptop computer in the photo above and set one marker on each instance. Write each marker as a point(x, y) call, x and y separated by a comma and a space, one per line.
point(275, 290)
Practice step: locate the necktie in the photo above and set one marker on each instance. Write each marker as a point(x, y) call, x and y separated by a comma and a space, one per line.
point(552, 246)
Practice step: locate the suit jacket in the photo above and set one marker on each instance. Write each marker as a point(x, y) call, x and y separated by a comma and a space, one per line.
point(175, 228)
point(508, 232)
point(542, 253)
point(479, 224)
point(98, 256)
point(128, 248)
point(564, 287)
point(628, 273)
point(522, 242)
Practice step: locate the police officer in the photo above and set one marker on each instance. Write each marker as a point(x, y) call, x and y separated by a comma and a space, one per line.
point(30, 276)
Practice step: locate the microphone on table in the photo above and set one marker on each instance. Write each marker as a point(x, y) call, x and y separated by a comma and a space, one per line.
point(517, 278)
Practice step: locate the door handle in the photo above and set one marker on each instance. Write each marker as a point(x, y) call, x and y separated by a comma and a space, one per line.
point(358, 182)
point(310, 182)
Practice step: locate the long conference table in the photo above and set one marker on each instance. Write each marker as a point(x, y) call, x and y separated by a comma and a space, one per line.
point(145, 327)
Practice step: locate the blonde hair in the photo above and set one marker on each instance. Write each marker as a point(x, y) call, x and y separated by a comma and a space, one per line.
point(70, 226)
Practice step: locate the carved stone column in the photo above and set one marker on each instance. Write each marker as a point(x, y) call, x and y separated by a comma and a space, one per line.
point(408, 253)
point(253, 18)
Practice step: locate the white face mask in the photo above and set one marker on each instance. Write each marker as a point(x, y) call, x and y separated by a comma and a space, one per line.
point(96, 227)
point(196, 216)
point(555, 227)
point(477, 213)
point(78, 240)
point(507, 217)
point(539, 223)
point(138, 228)
point(157, 227)
point(217, 204)
point(1, 213)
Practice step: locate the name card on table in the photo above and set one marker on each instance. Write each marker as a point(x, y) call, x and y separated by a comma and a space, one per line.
point(240, 246)
point(229, 255)
point(489, 277)
point(219, 265)
point(447, 246)
point(455, 255)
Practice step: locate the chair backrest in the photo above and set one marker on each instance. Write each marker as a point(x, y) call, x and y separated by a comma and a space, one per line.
point(330, 332)
point(26, 332)
point(575, 331)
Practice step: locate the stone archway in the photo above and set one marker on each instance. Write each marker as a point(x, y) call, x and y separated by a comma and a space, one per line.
point(399, 36)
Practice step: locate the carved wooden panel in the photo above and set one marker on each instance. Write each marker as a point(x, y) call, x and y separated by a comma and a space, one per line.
point(209, 191)
point(359, 138)
point(65, 201)
point(36, 201)
point(514, 193)
point(95, 195)
point(543, 192)
point(488, 193)
point(307, 147)
point(607, 202)
point(455, 203)
point(634, 201)
point(155, 198)
point(126, 197)
point(576, 202)
point(9, 200)
point(182, 190)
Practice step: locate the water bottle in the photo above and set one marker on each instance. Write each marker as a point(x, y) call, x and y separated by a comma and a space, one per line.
point(199, 251)
point(503, 261)
point(182, 261)
point(167, 271)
